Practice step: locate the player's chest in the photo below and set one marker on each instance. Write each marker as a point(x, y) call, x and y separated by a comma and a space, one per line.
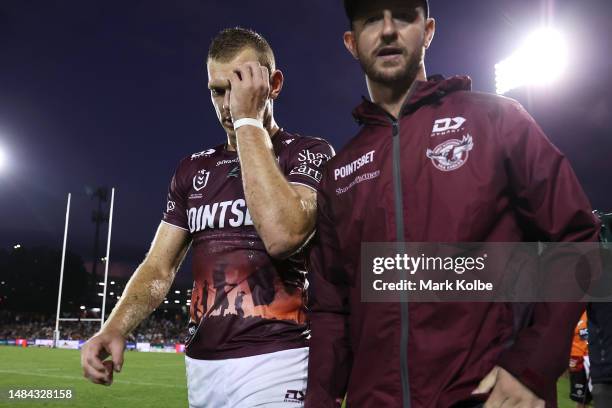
point(215, 198)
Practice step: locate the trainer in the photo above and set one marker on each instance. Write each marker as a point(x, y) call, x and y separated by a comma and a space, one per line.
point(435, 162)
point(246, 206)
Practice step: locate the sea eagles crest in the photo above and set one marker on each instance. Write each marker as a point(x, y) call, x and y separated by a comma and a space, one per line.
point(451, 154)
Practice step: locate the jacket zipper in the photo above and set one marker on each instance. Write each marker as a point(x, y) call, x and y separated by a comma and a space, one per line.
point(400, 239)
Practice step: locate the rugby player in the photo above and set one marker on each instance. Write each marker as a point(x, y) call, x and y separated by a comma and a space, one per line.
point(247, 207)
point(435, 162)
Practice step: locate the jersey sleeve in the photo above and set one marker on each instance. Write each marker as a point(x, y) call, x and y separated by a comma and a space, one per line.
point(308, 157)
point(176, 205)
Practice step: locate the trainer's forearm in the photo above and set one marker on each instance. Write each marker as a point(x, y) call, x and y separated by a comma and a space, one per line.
point(276, 208)
point(144, 293)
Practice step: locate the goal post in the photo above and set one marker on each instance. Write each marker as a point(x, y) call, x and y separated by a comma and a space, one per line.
point(58, 318)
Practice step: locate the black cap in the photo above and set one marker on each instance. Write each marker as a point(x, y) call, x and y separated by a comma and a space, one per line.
point(350, 7)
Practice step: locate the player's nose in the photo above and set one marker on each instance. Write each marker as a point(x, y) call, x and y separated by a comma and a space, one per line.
point(389, 29)
point(226, 101)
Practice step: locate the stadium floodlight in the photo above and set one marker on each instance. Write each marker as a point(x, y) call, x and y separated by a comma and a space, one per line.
point(16, 246)
point(3, 158)
point(82, 307)
point(112, 282)
point(541, 60)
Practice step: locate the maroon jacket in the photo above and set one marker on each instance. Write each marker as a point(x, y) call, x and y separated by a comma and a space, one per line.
point(458, 166)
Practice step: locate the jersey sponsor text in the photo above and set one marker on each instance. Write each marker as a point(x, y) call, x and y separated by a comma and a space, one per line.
point(352, 167)
point(219, 215)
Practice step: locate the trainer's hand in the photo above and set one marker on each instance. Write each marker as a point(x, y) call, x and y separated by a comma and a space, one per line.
point(250, 89)
point(508, 392)
point(105, 343)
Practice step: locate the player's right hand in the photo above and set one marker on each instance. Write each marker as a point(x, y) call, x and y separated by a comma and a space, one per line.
point(93, 354)
point(250, 85)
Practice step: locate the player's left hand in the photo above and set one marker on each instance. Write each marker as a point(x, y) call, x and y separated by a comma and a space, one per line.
point(507, 392)
point(250, 89)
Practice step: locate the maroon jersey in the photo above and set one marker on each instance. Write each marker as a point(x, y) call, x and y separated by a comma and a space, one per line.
point(243, 301)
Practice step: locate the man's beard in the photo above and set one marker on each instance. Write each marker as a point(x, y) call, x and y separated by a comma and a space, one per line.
point(405, 75)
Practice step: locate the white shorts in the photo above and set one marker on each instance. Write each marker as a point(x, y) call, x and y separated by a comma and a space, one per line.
point(276, 380)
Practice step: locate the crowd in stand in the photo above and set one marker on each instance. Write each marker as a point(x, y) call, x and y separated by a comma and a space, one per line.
point(155, 330)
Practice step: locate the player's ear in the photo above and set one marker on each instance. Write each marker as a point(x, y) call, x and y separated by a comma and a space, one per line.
point(430, 30)
point(350, 43)
point(276, 84)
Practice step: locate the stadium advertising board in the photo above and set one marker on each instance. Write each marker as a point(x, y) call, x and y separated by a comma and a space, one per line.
point(43, 342)
point(69, 344)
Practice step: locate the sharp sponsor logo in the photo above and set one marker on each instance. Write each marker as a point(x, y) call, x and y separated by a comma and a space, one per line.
point(305, 170)
point(170, 206)
point(200, 179)
point(347, 170)
point(316, 158)
point(219, 215)
point(205, 153)
point(447, 125)
point(452, 154)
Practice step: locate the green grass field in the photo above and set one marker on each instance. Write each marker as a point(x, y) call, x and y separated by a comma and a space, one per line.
point(147, 380)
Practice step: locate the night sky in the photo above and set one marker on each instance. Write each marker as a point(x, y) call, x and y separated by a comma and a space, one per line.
point(112, 93)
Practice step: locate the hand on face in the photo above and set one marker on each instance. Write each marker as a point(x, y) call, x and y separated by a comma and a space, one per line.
point(250, 89)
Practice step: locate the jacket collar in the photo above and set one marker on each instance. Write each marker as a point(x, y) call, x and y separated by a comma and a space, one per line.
point(425, 92)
